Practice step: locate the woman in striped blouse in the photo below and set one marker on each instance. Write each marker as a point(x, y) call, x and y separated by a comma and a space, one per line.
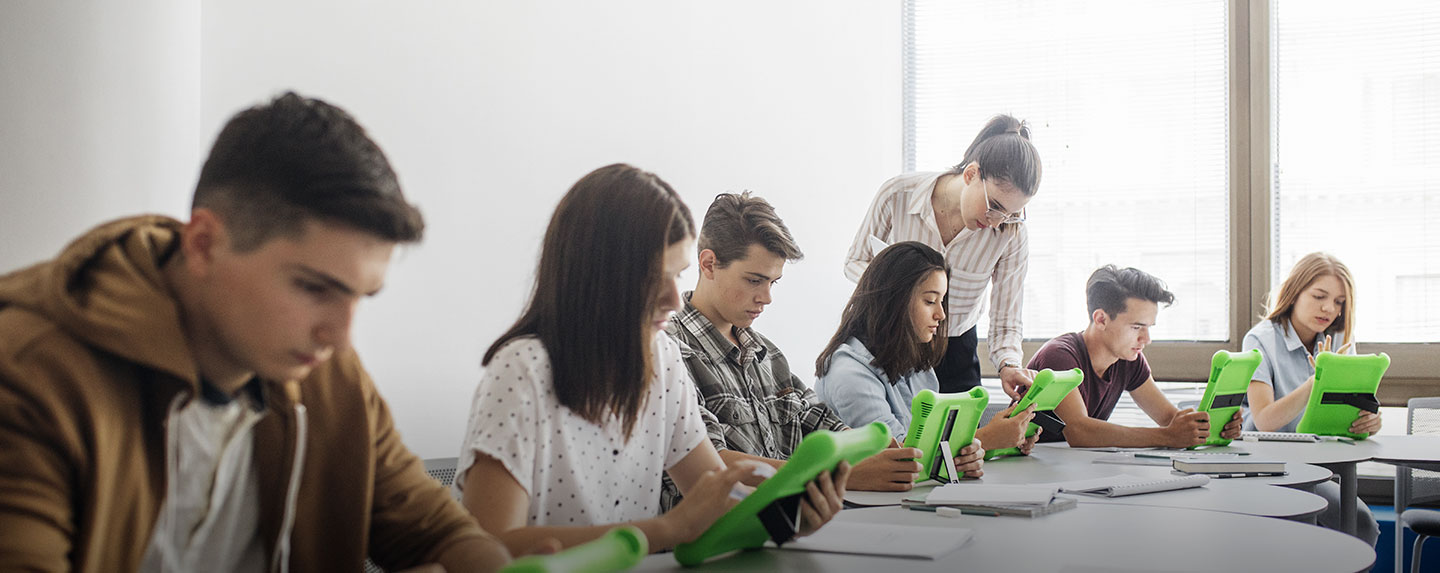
point(974, 215)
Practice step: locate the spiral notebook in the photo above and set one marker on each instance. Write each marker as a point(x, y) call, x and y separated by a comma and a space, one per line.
point(1022, 500)
point(1016, 509)
point(1124, 484)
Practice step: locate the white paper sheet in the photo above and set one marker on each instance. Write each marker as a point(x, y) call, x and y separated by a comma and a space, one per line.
point(978, 493)
point(877, 245)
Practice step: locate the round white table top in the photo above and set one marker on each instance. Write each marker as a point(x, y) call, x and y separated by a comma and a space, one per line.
point(1089, 538)
point(1058, 463)
point(1229, 495)
point(1300, 473)
point(1226, 495)
point(1408, 449)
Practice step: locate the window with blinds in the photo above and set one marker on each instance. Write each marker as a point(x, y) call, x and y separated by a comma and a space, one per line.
point(1355, 135)
point(1129, 103)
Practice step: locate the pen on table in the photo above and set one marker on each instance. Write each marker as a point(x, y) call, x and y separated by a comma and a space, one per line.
point(1245, 475)
point(1173, 455)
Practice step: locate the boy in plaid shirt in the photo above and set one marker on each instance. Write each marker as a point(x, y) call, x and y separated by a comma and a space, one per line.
point(753, 405)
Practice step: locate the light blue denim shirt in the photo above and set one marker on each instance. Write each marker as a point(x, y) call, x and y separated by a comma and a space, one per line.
point(862, 393)
point(1284, 362)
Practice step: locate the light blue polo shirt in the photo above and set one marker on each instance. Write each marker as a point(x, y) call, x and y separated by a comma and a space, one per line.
point(1284, 362)
point(862, 393)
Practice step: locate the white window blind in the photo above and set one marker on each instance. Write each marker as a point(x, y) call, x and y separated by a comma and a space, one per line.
point(1129, 102)
point(1355, 101)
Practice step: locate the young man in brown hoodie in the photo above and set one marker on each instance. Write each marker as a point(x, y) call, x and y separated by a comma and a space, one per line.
point(183, 396)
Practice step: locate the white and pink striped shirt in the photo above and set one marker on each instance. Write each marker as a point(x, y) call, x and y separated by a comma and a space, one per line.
point(902, 212)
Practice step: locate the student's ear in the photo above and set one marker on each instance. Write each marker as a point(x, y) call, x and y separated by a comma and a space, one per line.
point(970, 172)
point(707, 264)
point(201, 239)
point(1100, 318)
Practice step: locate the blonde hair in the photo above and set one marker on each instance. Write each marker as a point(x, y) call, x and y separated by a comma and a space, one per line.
point(1305, 272)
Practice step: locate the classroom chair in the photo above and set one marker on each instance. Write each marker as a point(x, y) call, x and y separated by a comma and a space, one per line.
point(1420, 486)
point(443, 471)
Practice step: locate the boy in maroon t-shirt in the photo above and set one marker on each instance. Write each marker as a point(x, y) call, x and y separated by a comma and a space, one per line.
point(1123, 304)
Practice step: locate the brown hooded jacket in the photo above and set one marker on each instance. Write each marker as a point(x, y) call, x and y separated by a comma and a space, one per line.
point(92, 354)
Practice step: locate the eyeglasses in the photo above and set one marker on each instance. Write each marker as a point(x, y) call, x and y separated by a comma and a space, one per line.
point(999, 216)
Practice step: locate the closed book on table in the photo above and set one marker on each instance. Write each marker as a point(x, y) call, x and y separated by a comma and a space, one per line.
point(1229, 466)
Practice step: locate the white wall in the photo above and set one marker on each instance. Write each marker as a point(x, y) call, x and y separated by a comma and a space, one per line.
point(99, 117)
point(489, 112)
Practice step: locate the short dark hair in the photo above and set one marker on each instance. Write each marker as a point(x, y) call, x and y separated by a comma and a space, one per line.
point(600, 264)
point(280, 164)
point(1004, 152)
point(734, 222)
point(1109, 286)
point(878, 314)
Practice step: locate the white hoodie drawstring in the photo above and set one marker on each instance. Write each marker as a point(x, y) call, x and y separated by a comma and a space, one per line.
point(172, 473)
point(281, 559)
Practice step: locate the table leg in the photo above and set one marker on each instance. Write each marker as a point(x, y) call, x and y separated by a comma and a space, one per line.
point(1402, 499)
point(1349, 486)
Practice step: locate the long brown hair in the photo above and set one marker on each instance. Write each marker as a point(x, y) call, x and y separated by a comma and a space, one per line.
point(878, 314)
point(596, 286)
point(1305, 271)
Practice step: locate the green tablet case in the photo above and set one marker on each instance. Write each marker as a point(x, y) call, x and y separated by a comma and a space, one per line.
point(772, 511)
point(1230, 375)
point(1345, 384)
point(1048, 389)
point(619, 549)
point(950, 417)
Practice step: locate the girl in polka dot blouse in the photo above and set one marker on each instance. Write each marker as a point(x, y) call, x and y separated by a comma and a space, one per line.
point(585, 401)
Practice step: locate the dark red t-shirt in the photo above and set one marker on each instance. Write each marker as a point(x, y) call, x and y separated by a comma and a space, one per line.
point(1100, 394)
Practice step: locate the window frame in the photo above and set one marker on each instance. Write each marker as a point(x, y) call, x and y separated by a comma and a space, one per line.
point(1250, 214)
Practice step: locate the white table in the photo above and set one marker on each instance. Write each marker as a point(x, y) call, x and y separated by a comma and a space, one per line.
point(1122, 538)
point(1044, 465)
point(1226, 495)
point(1339, 457)
point(1058, 463)
point(1299, 474)
point(1414, 451)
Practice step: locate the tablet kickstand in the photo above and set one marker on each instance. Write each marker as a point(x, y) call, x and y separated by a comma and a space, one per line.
point(942, 451)
point(949, 462)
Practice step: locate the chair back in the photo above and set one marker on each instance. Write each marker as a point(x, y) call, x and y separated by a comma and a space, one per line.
point(443, 469)
point(1422, 418)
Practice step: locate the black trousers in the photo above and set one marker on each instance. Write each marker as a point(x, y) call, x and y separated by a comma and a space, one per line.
point(959, 371)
